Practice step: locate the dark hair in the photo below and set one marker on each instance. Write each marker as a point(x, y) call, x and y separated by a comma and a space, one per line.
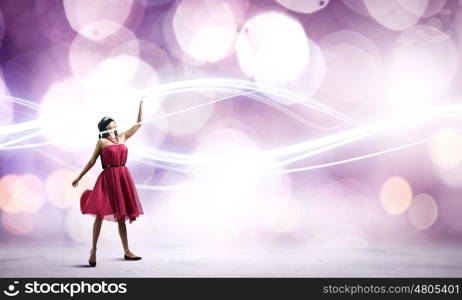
point(102, 126)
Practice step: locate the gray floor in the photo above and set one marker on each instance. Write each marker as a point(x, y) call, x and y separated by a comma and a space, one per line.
point(162, 260)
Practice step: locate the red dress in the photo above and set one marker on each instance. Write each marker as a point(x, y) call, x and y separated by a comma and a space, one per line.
point(114, 195)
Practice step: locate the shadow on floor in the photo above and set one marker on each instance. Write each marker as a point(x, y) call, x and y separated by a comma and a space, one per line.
point(81, 266)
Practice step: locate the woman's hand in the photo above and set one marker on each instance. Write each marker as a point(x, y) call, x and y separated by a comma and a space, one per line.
point(75, 182)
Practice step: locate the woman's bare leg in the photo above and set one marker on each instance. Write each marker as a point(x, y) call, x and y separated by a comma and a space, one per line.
point(96, 231)
point(123, 237)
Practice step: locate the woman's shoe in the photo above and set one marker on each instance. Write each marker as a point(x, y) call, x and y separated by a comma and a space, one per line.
point(91, 263)
point(131, 257)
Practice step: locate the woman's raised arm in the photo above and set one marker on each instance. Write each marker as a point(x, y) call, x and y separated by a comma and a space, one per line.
point(127, 134)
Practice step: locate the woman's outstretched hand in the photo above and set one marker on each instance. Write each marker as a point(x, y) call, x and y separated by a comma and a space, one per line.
point(75, 182)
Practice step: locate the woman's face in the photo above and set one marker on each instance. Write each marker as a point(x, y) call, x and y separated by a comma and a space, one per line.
point(112, 125)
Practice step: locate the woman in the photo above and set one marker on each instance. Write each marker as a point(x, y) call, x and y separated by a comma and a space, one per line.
point(114, 196)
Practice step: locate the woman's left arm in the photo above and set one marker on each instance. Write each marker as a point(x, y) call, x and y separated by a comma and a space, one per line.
point(127, 134)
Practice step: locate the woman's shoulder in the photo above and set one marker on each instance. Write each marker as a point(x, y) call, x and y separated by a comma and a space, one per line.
point(121, 137)
point(101, 142)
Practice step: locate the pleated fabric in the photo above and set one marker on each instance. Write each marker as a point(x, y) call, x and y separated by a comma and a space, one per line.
point(114, 196)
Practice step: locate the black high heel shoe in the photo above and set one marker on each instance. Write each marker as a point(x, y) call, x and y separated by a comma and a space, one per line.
point(92, 263)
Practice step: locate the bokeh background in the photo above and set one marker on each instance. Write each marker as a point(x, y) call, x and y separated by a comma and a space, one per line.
point(260, 118)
